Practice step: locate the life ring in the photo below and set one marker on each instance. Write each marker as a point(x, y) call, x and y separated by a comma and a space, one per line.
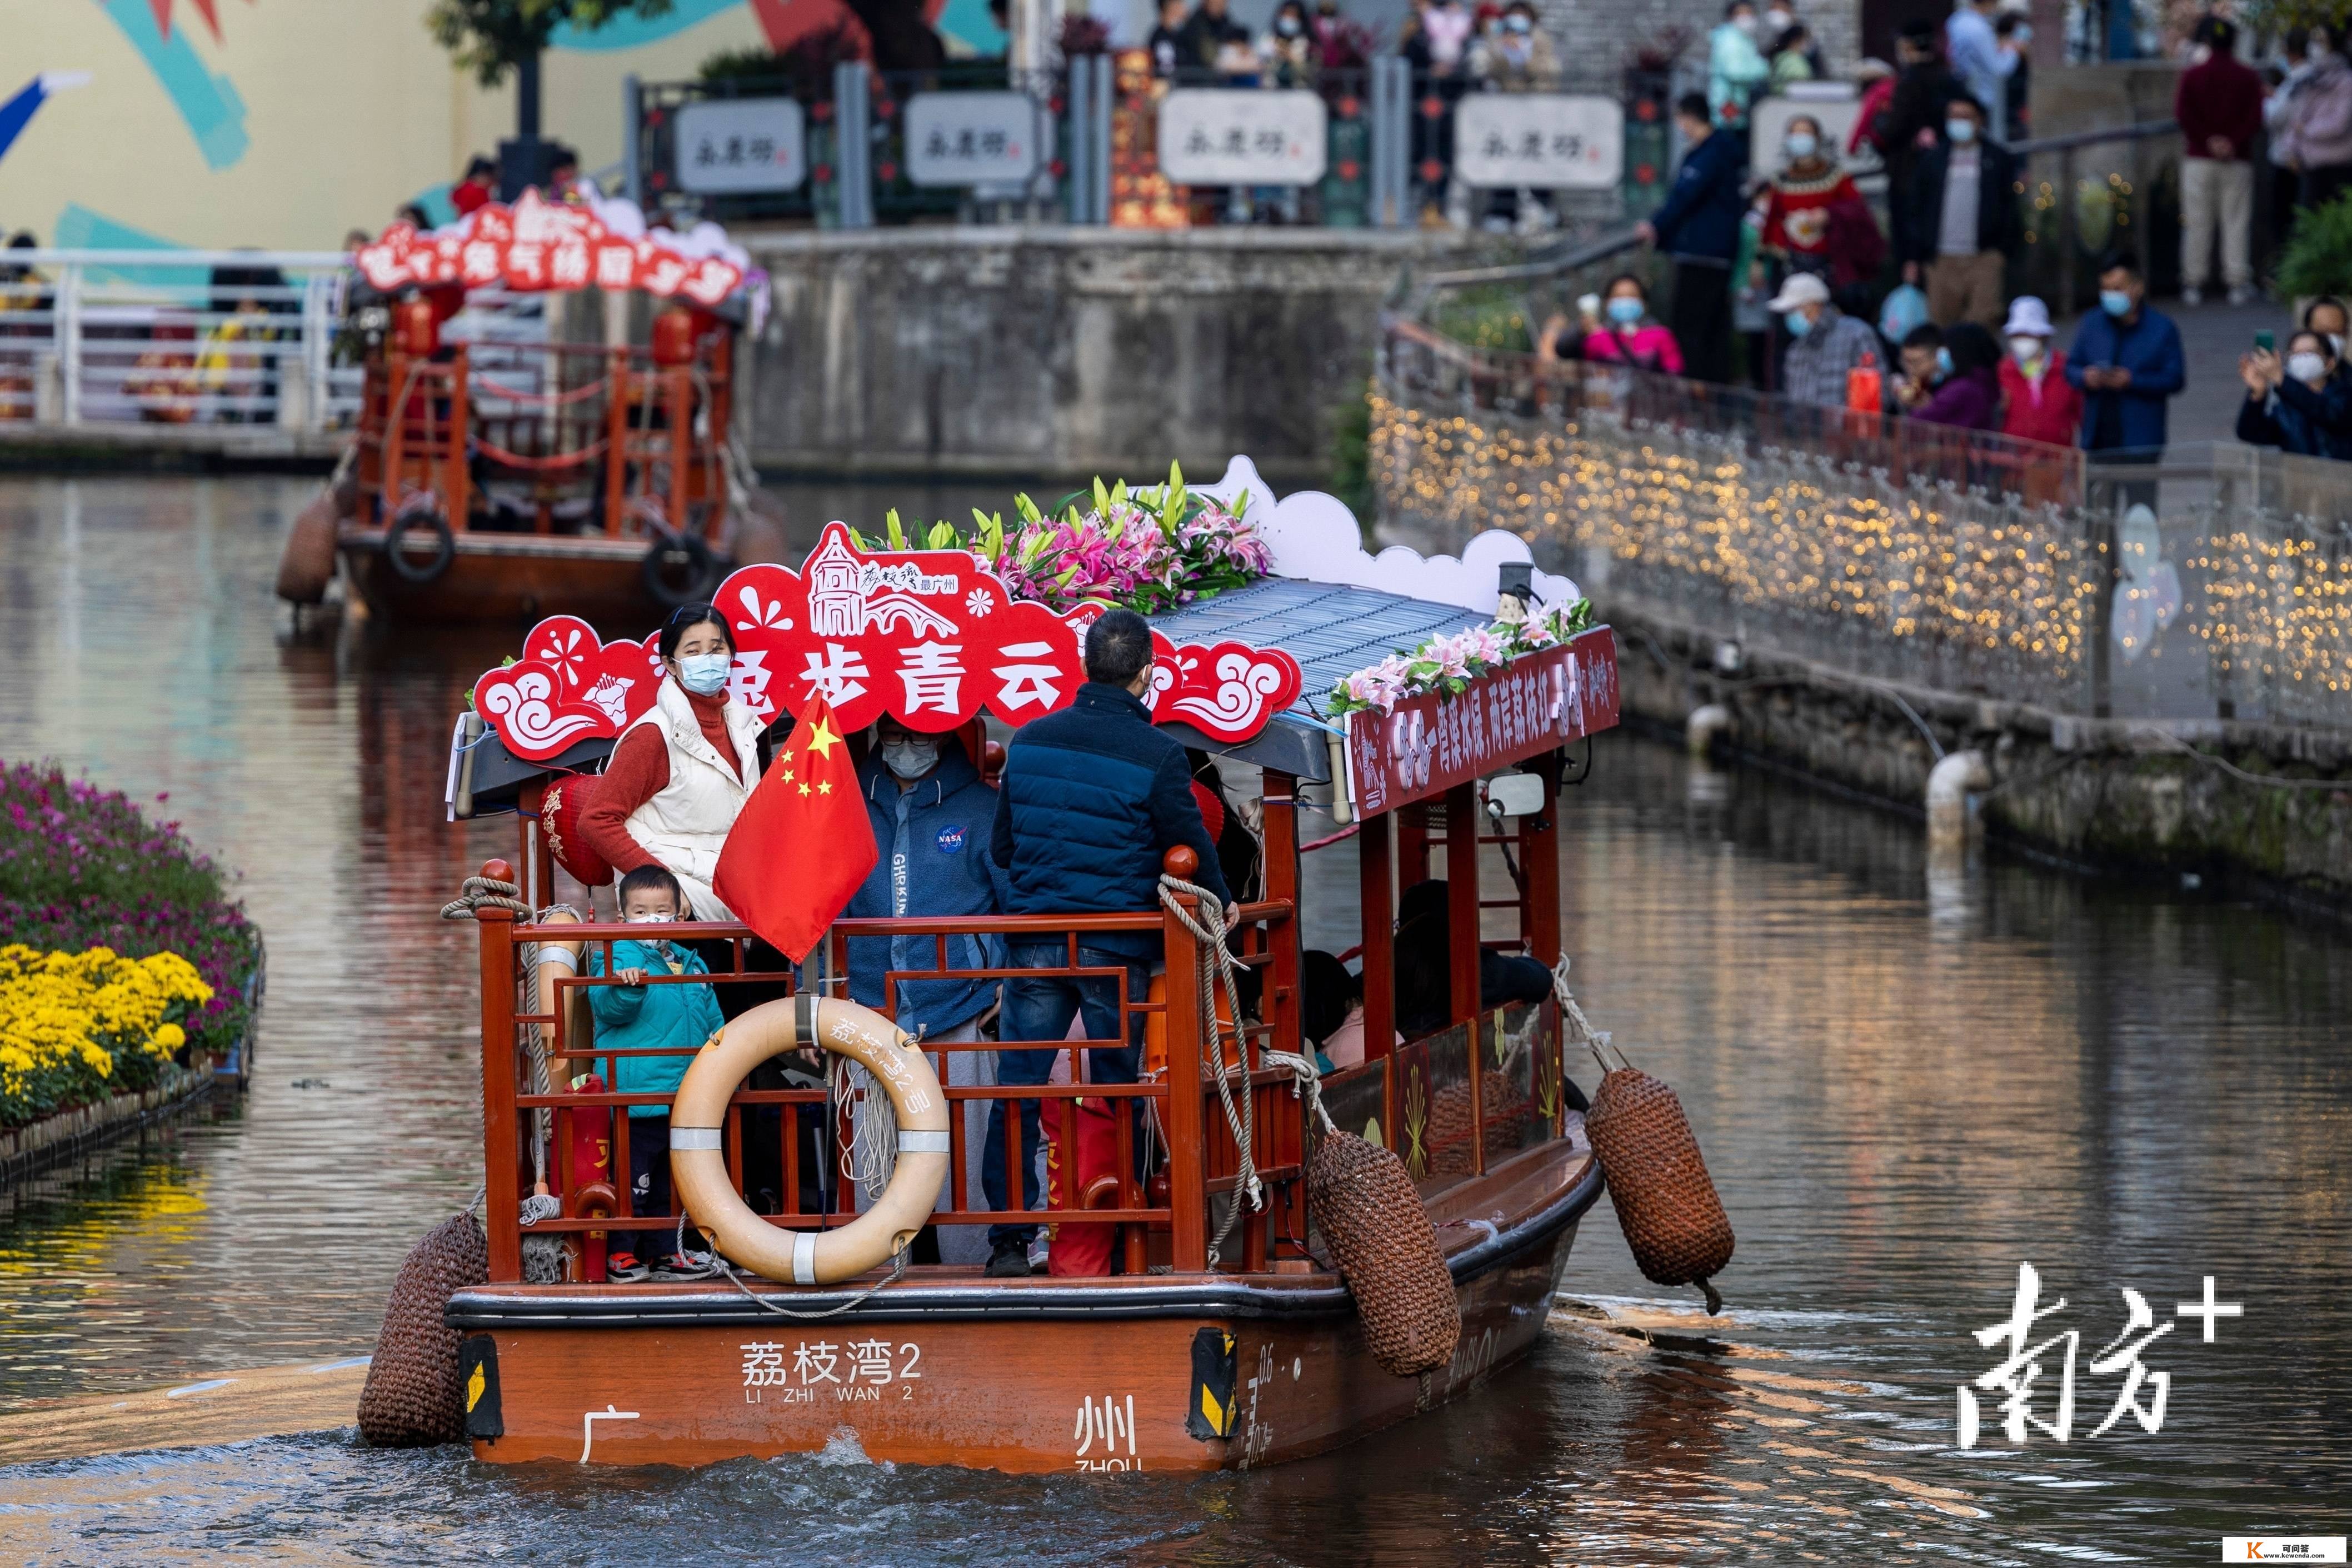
point(698, 1159)
point(674, 548)
point(445, 544)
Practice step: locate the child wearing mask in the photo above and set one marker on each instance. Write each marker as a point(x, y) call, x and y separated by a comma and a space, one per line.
point(2037, 402)
point(634, 1015)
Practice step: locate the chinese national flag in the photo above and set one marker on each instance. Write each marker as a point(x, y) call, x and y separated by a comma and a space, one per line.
point(801, 845)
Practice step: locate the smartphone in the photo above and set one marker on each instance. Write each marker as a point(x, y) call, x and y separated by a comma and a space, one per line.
point(2266, 341)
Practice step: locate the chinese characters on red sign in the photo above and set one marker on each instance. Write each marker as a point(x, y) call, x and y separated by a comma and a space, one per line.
point(928, 636)
point(1427, 744)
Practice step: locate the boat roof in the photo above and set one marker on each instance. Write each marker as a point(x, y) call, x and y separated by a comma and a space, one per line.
point(1332, 629)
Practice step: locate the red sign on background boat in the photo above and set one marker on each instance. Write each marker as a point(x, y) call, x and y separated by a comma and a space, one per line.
point(1427, 744)
point(930, 636)
point(537, 246)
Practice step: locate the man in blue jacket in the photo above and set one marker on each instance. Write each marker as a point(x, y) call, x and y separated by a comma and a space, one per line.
point(1092, 798)
point(933, 815)
point(2127, 360)
point(1698, 226)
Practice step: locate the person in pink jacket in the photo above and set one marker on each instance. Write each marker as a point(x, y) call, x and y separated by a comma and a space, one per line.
point(1624, 335)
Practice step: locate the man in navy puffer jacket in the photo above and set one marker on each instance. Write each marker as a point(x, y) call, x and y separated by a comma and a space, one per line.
point(1091, 799)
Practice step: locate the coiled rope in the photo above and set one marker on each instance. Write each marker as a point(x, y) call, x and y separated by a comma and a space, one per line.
point(480, 892)
point(542, 1254)
point(1213, 969)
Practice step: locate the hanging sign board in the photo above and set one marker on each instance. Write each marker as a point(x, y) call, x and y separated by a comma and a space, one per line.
point(1544, 141)
point(972, 138)
point(1242, 136)
point(1427, 744)
point(729, 145)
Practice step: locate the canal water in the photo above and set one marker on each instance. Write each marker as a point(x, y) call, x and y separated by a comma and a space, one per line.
point(1908, 1081)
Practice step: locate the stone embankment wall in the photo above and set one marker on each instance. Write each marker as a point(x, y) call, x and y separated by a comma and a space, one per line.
point(1003, 353)
point(2127, 794)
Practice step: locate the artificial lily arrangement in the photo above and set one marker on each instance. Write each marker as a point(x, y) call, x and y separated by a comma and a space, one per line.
point(1447, 665)
point(1146, 549)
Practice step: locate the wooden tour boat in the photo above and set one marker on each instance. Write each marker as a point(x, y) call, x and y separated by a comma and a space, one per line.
point(1182, 1359)
point(502, 481)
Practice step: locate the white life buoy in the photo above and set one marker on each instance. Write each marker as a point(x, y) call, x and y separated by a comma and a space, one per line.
point(698, 1159)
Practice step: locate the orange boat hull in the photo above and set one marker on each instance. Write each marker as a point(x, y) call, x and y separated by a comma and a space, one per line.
point(1028, 1376)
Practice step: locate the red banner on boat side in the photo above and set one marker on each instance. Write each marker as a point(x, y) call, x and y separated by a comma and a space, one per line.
point(537, 246)
point(1427, 744)
point(930, 636)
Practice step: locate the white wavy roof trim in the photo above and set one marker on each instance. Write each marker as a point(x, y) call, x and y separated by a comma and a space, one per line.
point(1314, 538)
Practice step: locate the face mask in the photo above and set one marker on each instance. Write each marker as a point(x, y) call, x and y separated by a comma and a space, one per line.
point(704, 674)
point(1778, 19)
point(1624, 312)
point(650, 920)
point(1961, 131)
point(1747, 25)
point(910, 758)
point(1288, 26)
point(1800, 144)
point(2306, 366)
point(2026, 349)
point(1799, 324)
point(2114, 301)
point(2023, 35)
point(2336, 341)
point(1943, 363)
point(1518, 23)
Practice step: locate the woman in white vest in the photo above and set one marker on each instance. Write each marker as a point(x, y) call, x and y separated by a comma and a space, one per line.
point(679, 776)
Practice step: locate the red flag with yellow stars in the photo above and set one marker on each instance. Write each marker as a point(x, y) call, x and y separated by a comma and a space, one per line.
point(801, 845)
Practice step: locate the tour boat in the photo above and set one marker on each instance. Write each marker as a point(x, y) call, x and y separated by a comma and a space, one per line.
point(493, 479)
point(1189, 1355)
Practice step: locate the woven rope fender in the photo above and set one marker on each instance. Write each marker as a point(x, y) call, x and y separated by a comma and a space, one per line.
point(1381, 1234)
point(1666, 1202)
point(412, 1395)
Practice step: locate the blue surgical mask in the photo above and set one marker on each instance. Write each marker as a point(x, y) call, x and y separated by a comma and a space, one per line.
point(1798, 322)
point(1625, 312)
point(1800, 144)
point(1943, 362)
point(1961, 131)
point(2115, 302)
point(704, 674)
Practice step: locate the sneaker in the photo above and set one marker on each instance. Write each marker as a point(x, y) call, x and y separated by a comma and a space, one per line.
point(625, 1267)
point(684, 1266)
point(1009, 1261)
point(2241, 294)
point(2192, 295)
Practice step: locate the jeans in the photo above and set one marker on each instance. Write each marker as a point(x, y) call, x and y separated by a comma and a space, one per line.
point(1042, 1009)
point(1701, 319)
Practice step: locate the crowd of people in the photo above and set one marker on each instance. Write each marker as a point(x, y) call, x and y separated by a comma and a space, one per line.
point(1795, 264)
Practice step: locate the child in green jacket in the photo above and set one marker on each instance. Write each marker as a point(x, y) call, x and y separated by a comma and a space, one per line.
point(635, 1015)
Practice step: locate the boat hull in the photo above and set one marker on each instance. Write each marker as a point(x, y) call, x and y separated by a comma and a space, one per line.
point(506, 577)
point(1031, 1375)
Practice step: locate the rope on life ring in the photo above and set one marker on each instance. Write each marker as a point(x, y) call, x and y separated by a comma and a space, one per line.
point(698, 1159)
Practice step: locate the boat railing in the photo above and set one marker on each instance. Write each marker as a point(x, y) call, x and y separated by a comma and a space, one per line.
point(580, 438)
point(1204, 1164)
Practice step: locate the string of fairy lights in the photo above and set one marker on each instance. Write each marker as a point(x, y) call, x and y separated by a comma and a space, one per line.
point(1935, 582)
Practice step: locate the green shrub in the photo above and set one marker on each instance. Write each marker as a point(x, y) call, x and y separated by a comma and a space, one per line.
point(2318, 258)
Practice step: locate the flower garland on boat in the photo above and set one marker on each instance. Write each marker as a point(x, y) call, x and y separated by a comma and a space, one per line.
point(1146, 549)
point(1448, 663)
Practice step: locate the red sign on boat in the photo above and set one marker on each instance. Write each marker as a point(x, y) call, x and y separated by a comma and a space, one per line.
point(538, 246)
point(930, 636)
point(1429, 743)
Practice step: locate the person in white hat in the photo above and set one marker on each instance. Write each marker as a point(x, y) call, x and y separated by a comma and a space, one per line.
point(2037, 402)
point(1824, 342)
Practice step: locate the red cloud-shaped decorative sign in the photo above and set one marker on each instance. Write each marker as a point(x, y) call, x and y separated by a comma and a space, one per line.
point(537, 246)
point(928, 636)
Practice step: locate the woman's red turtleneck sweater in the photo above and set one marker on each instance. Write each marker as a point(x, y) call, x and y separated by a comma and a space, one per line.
point(638, 770)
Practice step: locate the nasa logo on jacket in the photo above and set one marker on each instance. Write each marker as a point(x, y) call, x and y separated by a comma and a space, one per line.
point(951, 839)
